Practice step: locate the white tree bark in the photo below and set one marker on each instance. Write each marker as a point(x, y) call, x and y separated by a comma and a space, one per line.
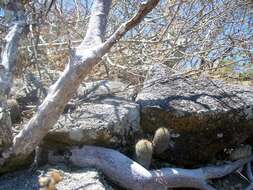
point(7, 66)
point(131, 175)
point(9, 55)
point(81, 61)
point(115, 165)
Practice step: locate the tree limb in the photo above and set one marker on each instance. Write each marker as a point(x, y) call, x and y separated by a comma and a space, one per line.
point(131, 175)
point(97, 25)
point(7, 66)
point(81, 61)
point(10, 54)
point(144, 9)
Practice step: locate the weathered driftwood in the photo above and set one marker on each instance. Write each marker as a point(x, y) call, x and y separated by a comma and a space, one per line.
point(132, 175)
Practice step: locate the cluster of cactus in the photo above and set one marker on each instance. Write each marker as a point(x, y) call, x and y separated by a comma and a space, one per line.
point(144, 149)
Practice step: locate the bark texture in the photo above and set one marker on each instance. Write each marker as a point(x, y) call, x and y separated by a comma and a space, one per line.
point(131, 175)
point(81, 61)
point(7, 66)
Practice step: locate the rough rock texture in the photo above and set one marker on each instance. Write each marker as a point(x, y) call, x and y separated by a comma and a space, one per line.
point(5, 129)
point(74, 179)
point(92, 91)
point(5, 124)
point(101, 113)
point(86, 179)
point(204, 115)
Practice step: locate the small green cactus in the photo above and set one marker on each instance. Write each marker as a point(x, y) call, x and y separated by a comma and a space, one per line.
point(161, 140)
point(14, 110)
point(143, 152)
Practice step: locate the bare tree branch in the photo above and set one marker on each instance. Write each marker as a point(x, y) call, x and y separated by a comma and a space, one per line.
point(131, 175)
point(10, 54)
point(97, 25)
point(144, 9)
point(7, 66)
point(80, 63)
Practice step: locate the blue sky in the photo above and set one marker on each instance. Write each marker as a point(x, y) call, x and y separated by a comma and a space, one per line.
point(244, 27)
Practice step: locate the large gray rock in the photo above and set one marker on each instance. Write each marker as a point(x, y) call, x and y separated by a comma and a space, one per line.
point(205, 115)
point(101, 114)
point(73, 179)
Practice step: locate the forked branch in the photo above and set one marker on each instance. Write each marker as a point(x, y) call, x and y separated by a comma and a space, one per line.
point(82, 60)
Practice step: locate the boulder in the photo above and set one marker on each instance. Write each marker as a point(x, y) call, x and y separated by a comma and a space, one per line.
point(101, 113)
point(205, 116)
point(73, 179)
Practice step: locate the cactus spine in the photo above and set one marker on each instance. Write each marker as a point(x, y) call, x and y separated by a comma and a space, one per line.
point(144, 149)
point(14, 109)
point(161, 140)
point(143, 152)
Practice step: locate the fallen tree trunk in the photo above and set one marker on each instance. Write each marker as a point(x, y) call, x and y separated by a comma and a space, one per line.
point(131, 175)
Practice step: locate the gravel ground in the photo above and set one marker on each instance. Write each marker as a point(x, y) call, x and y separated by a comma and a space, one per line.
point(73, 179)
point(20, 180)
point(91, 179)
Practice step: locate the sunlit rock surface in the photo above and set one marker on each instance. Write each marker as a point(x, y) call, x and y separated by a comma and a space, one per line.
point(101, 113)
point(204, 116)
